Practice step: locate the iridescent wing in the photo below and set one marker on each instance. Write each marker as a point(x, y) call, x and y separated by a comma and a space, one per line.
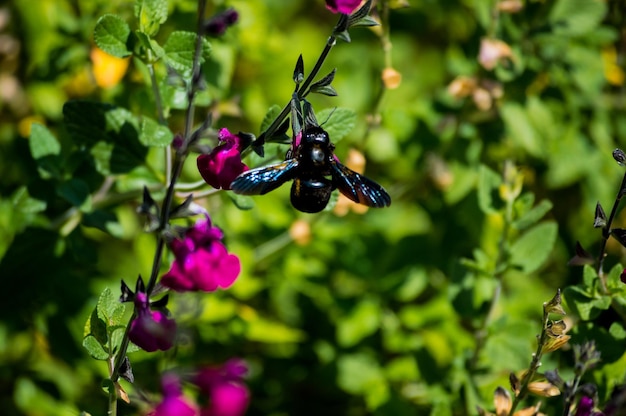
point(358, 188)
point(265, 179)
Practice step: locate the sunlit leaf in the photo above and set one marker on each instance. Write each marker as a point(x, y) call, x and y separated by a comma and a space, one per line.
point(151, 14)
point(180, 49)
point(533, 248)
point(112, 35)
point(337, 122)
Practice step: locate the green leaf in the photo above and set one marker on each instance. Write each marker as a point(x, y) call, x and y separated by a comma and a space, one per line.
point(534, 215)
point(243, 202)
point(110, 310)
point(361, 374)
point(577, 17)
point(590, 279)
point(153, 134)
point(105, 221)
point(581, 304)
point(270, 116)
point(533, 248)
point(147, 42)
point(263, 330)
point(488, 183)
point(45, 149)
point(520, 129)
point(42, 142)
point(613, 281)
point(366, 21)
point(76, 192)
point(180, 48)
point(618, 331)
point(112, 34)
point(24, 206)
point(337, 122)
point(324, 90)
point(111, 134)
point(94, 348)
point(151, 14)
point(362, 322)
point(96, 327)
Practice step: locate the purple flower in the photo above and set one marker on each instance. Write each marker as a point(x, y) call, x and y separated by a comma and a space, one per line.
point(220, 167)
point(217, 25)
point(585, 406)
point(151, 330)
point(173, 402)
point(201, 261)
point(342, 6)
point(229, 396)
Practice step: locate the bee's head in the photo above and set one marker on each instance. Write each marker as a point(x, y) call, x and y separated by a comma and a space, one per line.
point(316, 136)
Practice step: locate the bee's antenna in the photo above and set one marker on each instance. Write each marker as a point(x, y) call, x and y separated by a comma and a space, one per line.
point(329, 116)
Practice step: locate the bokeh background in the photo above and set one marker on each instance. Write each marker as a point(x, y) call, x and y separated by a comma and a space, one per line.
point(341, 313)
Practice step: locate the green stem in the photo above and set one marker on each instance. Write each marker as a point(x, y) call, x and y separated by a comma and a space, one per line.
point(606, 233)
point(179, 160)
point(386, 35)
point(534, 365)
point(301, 90)
point(571, 395)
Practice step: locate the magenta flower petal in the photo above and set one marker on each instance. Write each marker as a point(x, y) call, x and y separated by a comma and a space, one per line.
point(585, 406)
point(220, 167)
point(342, 6)
point(151, 330)
point(201, 262)
point(228, 399)
point(228, 395)
point(173, 403)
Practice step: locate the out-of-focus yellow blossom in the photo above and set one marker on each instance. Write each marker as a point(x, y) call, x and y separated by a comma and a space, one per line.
point(391, 78)
point(26, 123)
point(510, 6)
point(300, 232)
point(612, 72)
point(108, 70)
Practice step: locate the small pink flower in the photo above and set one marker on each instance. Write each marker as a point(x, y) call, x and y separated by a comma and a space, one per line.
point(220, 167)
point(342, 6)
point(151, 330)
point(229, 396)
point(201, 261)
point(173, 403)
point(492, 52)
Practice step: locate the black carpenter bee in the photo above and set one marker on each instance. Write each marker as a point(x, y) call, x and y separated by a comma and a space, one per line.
point(315, 173)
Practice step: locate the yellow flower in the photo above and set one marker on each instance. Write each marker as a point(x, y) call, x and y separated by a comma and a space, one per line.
point(462, 86)
point(108, 70)
point(510, 6)
point(612, 72)
point(300, 232)
point(391, 78)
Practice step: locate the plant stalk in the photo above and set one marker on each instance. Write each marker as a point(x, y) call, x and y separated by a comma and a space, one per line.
point(179, 159)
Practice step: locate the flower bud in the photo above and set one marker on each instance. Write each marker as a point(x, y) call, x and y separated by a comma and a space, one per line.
point(151, 330)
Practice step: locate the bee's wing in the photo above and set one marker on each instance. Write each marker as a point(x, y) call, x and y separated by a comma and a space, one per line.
point(263, 180)
point(359, 188)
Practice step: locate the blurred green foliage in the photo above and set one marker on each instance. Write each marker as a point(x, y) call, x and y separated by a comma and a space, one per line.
point(388, 312)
